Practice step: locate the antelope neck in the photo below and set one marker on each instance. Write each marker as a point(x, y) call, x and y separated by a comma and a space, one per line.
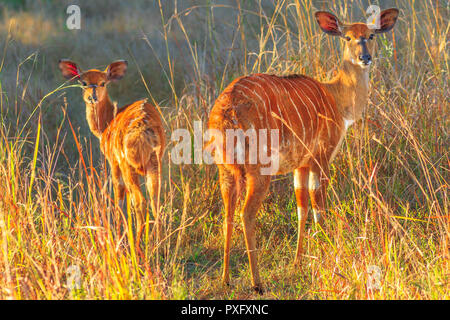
point(350, 90)
point(99, 115)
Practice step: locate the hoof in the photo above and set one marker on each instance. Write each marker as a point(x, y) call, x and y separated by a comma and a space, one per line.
point(225, 284)
point(258, 289)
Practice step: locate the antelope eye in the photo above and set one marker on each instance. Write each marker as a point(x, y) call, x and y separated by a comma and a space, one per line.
point(371, 36)
point(84, 83)
point(102, 84)
point(347, 38)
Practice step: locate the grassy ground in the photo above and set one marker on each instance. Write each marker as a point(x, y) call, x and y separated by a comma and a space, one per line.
point(388, 198)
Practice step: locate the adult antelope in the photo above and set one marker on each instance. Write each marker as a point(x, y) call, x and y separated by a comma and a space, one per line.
point(131, 138)
point(311, 118)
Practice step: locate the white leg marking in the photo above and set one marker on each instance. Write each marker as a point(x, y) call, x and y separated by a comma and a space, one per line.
point(314, 182)
point(316, 215)
point(296, 181)
point(348, 123)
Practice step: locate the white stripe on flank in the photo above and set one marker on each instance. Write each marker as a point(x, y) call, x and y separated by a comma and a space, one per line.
point(250, 99)
point(303, 92)
point(310, 102)
point(272, 85)
point(325, 108)
point(320, 89)
point(303, 104)
point(321, 94)
point(269, 111)
point(268, 99)
point(293, 104)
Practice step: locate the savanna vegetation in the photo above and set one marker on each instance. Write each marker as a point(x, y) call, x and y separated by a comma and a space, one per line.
point(386, 234)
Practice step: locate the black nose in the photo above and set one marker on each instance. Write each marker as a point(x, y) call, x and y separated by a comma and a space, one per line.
point(93, 97)
point(366, 58)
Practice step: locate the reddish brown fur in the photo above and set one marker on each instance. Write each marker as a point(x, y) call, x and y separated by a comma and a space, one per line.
point(312, 119)
point(132, 138)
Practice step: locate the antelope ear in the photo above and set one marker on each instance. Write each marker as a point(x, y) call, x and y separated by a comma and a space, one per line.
point(388, 18)
point(69, 69)
point(329, 23)
point(117, 70)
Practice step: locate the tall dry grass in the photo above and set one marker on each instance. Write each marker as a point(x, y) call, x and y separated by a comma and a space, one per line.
point(388, 197)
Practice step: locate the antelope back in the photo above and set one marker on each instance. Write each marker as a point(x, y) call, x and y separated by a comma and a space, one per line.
point(302, 111)
point(135, 136)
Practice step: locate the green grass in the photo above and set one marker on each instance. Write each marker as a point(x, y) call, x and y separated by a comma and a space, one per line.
point(388, 197)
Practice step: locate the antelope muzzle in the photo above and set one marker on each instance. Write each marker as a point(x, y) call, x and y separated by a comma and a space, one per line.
point(93, 97)
point(365, 56)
